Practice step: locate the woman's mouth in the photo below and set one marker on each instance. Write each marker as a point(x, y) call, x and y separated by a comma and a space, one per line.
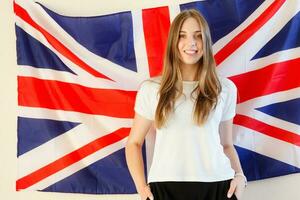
point(190, 52)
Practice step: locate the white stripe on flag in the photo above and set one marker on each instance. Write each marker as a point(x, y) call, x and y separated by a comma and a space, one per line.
point(174, 10)
point(98, 155)
point(55, 75)
point(280, 56)
point(73, 139)
point(267, 146)
point(248, 108)
point(139, 44)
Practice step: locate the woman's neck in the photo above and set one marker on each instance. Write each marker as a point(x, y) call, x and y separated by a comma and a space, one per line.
point(188, 72)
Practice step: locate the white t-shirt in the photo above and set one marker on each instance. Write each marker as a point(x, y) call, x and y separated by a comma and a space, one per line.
point(184, 151)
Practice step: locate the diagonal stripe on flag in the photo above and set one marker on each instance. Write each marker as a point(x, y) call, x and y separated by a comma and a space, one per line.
point(23, 14)
point(71, 158)
point(243, 36)
point(267, 129)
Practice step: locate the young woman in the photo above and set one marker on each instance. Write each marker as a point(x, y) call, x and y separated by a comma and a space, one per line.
point(192, 109)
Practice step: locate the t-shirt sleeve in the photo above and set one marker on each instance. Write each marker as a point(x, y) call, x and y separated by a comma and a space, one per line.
point(143, 101)
point(229, 110)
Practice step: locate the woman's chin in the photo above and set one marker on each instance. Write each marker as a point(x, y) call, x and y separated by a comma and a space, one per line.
point(190, 62)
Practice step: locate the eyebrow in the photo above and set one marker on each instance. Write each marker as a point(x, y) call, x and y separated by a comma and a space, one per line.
point(194, 31)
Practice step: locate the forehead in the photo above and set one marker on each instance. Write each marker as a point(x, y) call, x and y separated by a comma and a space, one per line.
point(190, 25)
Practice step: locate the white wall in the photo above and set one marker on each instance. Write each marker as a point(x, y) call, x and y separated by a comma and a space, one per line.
point(285, 187)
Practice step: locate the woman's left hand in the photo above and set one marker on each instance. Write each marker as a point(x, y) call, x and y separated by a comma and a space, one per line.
point(237, 186)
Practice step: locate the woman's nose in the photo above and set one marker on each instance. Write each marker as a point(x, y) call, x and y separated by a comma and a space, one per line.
point(192, 41)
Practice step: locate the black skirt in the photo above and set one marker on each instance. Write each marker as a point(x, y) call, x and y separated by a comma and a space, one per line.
point(191, 190)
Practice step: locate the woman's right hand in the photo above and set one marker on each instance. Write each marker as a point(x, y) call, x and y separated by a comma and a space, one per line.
point(146, 193)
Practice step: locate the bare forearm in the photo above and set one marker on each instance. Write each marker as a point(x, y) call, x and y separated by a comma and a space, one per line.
point(136, 166)
point(231, 153)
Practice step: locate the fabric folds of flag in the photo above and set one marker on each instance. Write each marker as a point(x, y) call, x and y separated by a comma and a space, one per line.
point(78, 77)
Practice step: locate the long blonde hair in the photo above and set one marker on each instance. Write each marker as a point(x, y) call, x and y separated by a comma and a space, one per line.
point(208, 87)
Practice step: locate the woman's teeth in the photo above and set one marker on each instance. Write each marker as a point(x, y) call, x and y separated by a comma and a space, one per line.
point(190, 51)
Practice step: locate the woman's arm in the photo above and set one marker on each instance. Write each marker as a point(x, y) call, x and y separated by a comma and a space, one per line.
point(225, 130)
point(237, 185)
point(133, 151)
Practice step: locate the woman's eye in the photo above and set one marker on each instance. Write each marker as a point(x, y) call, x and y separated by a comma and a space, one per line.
point(181, 36)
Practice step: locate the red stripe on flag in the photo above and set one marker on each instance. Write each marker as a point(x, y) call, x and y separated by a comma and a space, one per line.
point(71, 158)
point(156, 23)
point(34, 92)
point(267, 129)
point(273, 78)
point(243, 36)
point(23, 14)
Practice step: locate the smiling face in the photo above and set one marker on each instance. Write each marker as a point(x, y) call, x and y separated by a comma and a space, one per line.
point(190, 42)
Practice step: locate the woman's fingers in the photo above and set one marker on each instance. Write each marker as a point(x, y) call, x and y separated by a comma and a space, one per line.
point(232, 188)
point(149, 198)
point(238, 184)
point(150, 195)
point(237, 195)
point(147, 194)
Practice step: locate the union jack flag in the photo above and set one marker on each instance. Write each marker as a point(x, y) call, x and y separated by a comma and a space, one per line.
point(78, 77)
